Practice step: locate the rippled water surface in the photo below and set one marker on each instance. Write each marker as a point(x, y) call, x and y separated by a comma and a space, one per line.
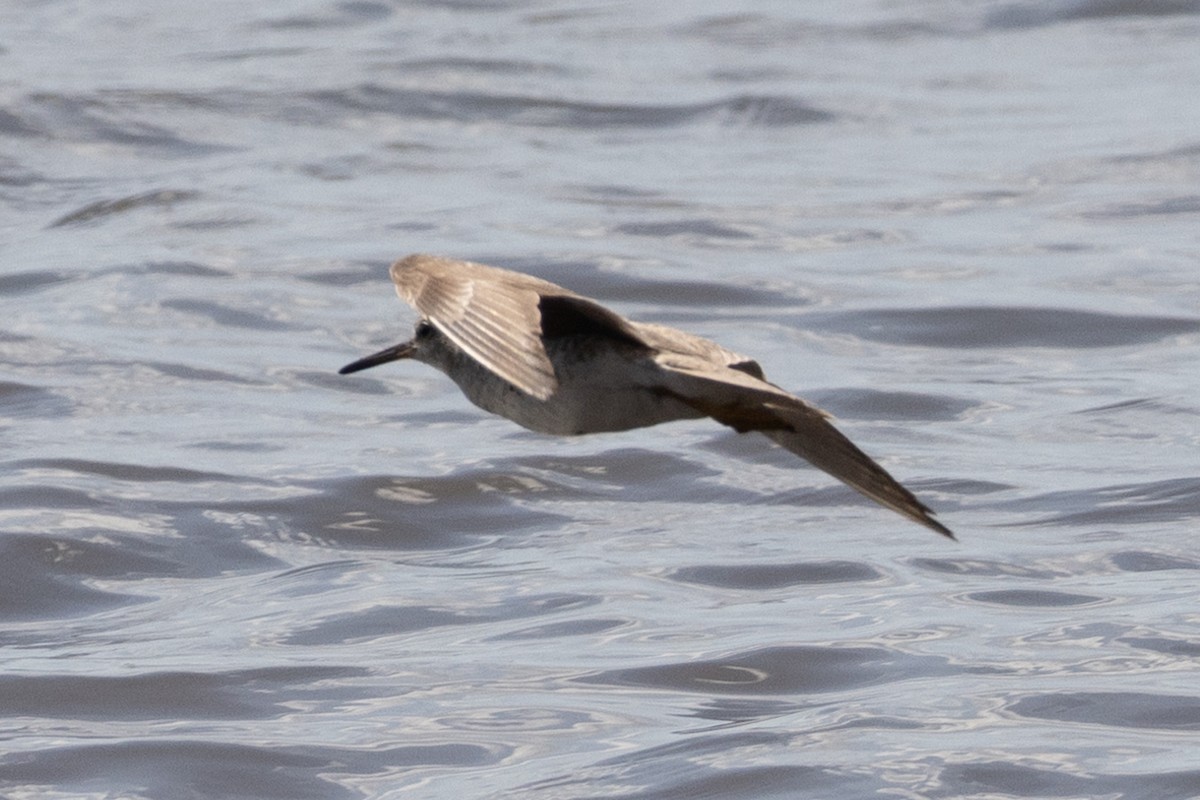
point(969, 230)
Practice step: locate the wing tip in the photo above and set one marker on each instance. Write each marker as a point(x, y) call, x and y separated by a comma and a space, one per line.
point(928, 521)
point(402, 268)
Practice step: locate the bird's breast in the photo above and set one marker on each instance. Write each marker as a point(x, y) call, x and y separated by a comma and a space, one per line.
point(601, 388)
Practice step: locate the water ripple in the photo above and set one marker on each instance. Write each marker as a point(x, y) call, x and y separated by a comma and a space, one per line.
point(1120, 504)
point(1118, 709)
point(1002, 326)
point(158, 198)
point(1026, 15)
point(780, 670)
point(393, 620)
point(773, 576)
point(247, 694)
point(467, 106)
point(160, 767)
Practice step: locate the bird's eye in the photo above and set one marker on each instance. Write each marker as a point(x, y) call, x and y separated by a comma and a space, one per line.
point(424, 329)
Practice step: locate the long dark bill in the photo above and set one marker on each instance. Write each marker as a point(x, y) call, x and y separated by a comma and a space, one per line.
point(393, 353)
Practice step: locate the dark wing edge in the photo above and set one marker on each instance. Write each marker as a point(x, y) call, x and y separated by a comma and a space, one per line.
point(738, 399)
point(812, 437)
point(563, 315)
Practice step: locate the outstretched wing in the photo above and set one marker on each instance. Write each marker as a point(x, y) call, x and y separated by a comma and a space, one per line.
point(812, 437)
point(491, 313)
point(737, 398)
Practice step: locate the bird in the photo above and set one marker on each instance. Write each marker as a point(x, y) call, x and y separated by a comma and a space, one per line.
point(559, 363)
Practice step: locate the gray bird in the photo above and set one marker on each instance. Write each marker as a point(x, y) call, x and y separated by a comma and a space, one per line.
point(556, 362)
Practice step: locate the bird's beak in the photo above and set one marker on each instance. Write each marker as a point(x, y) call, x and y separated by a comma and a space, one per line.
point(393, 353)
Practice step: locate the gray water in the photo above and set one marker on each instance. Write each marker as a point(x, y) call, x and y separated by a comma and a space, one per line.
point(969, 230)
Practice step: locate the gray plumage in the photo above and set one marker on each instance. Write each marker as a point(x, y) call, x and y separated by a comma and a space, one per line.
point(557, 362)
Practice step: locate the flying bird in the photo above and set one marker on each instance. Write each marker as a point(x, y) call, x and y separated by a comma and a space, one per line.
point(556, 362)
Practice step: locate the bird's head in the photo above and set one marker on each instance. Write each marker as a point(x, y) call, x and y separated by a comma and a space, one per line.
point(425, 346)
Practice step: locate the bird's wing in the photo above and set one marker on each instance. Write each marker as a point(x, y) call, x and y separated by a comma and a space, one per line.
point(564, 315)
point(491, 313)
point(812, 437)
point(737, 398)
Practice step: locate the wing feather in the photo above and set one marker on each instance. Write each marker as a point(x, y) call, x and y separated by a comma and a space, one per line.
point(492, 314)
point(745, 403)
point(812, 437)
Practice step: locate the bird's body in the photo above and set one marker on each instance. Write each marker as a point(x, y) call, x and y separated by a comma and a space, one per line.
point(601, 389)
point(559, 363)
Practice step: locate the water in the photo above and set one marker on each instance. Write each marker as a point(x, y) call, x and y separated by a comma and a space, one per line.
point(969, 230)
